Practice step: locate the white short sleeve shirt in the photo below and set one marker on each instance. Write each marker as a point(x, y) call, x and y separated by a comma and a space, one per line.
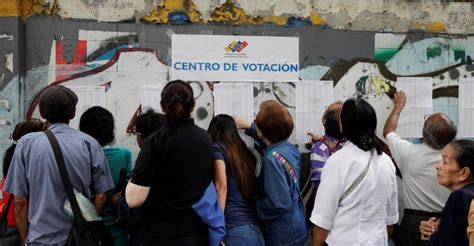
point(417, 164)
point(362, 218)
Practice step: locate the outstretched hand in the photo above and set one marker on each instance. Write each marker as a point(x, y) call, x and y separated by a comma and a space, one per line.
point(314, 137)
point(400, 100)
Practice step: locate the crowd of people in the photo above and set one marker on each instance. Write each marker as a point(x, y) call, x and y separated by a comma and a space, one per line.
point(353, 182)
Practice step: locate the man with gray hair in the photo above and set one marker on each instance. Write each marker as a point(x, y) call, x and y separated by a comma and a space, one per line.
point(34, 176)
point(323, 147)
point(423, 196)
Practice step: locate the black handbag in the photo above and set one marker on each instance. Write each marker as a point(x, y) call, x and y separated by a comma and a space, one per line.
point(8, 237)
point(83, 232)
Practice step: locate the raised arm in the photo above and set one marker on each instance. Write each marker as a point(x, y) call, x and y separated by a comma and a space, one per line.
point(392, 121)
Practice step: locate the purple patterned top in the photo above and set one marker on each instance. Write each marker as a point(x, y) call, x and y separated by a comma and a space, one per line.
point(320, 152)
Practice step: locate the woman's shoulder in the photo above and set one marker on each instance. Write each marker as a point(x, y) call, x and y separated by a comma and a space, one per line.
point(468, 192)
point(385, 159)
point(284, 147)
point(218, 147)
point(285, 150)
point(461, 196)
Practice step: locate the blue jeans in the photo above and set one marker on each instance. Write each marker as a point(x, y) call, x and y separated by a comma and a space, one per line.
point(244, 235)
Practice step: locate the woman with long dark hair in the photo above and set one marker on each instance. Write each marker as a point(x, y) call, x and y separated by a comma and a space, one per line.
point(356, 203)
point(235, 181)
point(172, 171)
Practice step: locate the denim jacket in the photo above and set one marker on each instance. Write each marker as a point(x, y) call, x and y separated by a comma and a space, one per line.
point(279, 206)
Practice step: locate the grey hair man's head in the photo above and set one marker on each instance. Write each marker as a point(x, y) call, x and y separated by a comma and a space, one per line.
point(331, 119)
point(438, 131)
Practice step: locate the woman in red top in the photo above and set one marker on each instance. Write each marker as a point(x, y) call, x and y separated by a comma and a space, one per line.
point(21, 129)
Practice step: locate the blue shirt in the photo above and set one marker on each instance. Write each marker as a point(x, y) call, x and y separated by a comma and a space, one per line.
point(237, 210)
point(34, 174)
point(279, 205)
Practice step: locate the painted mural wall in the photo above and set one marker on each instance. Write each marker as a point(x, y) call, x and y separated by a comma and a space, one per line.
point(452, 16)
point(45, 43)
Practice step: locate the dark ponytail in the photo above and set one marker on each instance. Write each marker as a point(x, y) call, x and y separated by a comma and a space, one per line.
point(359, 122)
point(177, 100)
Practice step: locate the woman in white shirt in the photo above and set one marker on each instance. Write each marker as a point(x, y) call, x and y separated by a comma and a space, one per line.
point(356, 203)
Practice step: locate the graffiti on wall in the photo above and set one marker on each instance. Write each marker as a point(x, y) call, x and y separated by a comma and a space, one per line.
point(446, 59)
point(115, 61)
point(123, 62)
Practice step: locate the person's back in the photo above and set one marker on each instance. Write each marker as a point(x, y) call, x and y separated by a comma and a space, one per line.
point(416, 164)
point(98, 123)
point(21, 129)
point(326, 145)
point(235, 181)
point(43, 184)
point(422, 195)
point(182, 159)
point(363, 214)
point(357, 197)
point(34, 175)
point(119, 160)
point(172, 172)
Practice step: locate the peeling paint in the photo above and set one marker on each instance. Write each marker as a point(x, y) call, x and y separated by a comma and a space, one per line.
point(316, 19)
point(367, 15)
point(29, 8)
point(161, 14)
point(230, 13)
point(437, 26)
point(9, 61)
point(9, 8)
point(104, 10)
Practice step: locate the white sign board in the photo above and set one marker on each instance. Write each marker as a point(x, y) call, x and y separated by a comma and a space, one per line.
point(235, 99)
point(312, 97)
point(88, 96)
point(419, 92)
point(151, 97)
point(466, 107)
point(234, 58)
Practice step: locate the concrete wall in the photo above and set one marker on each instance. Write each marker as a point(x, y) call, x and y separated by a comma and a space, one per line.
point(11, 70)
point(124, 44)
point(368, 15)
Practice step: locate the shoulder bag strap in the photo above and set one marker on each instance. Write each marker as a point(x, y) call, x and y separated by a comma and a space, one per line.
point(358, 180)
point(289, 168)
point(65, 177)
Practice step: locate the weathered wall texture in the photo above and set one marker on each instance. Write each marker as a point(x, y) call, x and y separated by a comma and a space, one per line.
point(125, 44)
point(11, 62)
point(367, 15)
point(123, 57)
